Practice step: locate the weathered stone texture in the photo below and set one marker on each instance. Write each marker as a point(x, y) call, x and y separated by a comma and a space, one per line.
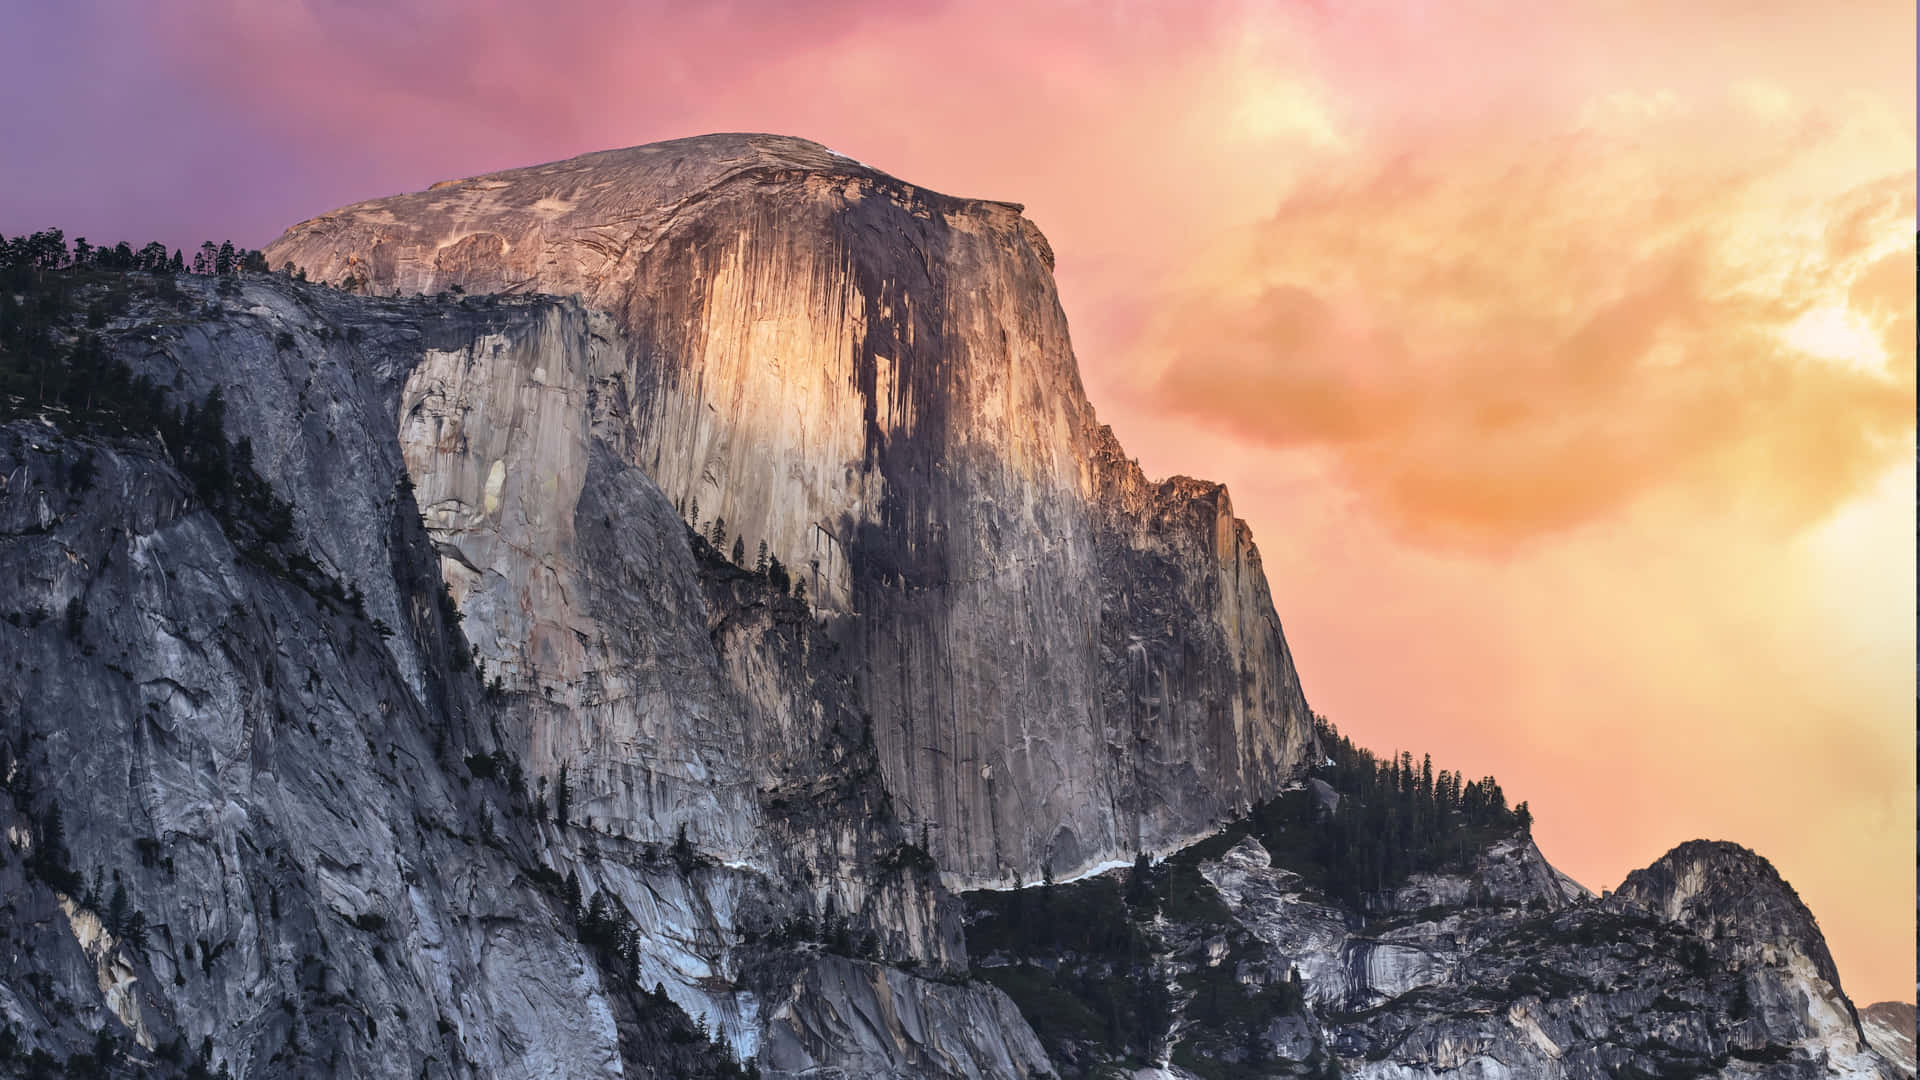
point(1065, 663)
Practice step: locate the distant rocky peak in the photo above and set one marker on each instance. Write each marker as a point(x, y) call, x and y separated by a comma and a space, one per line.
point(1702, 882)
point(1889, 1027)
point(1723, 891)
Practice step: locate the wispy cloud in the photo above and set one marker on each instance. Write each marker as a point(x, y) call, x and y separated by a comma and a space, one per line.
point(1499, 338)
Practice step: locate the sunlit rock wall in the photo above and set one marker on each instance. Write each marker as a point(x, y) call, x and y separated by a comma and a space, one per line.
point(1064, 663)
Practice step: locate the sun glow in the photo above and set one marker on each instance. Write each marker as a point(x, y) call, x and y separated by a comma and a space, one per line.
point(1837, 334)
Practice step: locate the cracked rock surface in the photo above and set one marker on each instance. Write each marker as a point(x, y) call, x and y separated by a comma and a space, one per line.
point(299, 777)
point(1065, 662)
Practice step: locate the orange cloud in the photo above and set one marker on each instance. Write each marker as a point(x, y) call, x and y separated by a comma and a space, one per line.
point(1496, 339)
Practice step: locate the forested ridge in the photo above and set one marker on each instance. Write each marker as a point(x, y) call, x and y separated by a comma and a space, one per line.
point(1103, 969)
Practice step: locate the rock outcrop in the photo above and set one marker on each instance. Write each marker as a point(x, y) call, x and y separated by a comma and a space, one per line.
point(335, 799)
point(1504, 971)
point(1757, 925)
point(1889, 1028)
point(1064, 663)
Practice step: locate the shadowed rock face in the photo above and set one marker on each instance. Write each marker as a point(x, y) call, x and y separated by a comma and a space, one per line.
point(1506, 970)
point(1757, 923)
point(279, 766)
point(1064, 662)
point(1703, 964)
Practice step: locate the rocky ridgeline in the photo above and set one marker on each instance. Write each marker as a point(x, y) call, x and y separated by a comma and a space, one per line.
point(1219, 964)
point(609, 662)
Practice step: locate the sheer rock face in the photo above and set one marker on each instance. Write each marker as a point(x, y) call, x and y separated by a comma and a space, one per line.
point(1064, 663)
point(284, 782)
point(258, 767)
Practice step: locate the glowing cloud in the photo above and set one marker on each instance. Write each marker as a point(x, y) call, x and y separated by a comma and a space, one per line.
point(1497, 338)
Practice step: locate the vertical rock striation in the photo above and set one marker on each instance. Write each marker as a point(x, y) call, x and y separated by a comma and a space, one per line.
point(331, 789)
point(1064, 663)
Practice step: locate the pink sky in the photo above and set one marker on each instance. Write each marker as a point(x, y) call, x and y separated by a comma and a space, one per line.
point(1560, 356)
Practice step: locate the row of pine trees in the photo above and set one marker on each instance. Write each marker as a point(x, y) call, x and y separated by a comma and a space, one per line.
point(48, 250)
point(1394, 818)
point(766, 565)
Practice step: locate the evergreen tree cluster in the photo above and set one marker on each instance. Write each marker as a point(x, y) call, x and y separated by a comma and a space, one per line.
point(48, 364)
point(48, 250)
point(1395, 818)
point(223, 475)
point(617, 939)
point(42, 283)
point(715, 535)
point(1083, 961)
point(48, 860)
point(1080, 965)
point(832, 932)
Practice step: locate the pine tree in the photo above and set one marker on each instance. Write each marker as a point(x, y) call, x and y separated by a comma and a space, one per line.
point(800, 590)
point(739, 551)
point(596, 922)
point(630, 954)
point(683, 853)
point(117, 909)
point(134, 933)
point(760, 565)
point(562, 797)
point(719, 534)
point(50, 861)
point(1140, 881)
